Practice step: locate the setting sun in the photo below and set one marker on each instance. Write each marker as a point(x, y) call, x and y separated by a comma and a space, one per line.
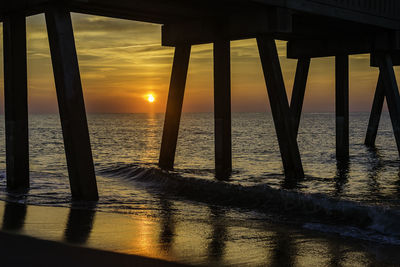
point(150, 98)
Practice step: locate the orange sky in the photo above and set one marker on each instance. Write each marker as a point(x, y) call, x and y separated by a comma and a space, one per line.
point(121, 62)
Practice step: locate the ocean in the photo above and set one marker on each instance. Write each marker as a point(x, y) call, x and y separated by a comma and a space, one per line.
point(358, 200)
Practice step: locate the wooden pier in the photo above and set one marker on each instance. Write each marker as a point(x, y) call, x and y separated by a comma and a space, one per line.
point(313, 28)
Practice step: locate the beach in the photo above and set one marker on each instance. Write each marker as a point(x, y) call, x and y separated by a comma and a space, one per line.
point(48, 236)
point(19, 250)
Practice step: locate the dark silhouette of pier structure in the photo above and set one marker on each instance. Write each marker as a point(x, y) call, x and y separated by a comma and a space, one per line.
point(313, 28)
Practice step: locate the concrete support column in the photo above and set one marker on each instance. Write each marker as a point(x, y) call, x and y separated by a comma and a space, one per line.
point(391, 92)
point(174, 106)
point(222, 108)
point(71, 104)
point(376, 112)
point(342, 106)
point(16, 101)
point(280, 108)
point(299, 89)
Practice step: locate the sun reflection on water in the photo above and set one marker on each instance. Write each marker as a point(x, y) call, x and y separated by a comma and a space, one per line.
point(219, 239)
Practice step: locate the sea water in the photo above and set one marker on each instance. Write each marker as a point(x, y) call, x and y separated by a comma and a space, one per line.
point(358, 199)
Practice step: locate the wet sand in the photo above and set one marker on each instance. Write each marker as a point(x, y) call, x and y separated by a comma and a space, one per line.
point(18, 250)
point(82, 237)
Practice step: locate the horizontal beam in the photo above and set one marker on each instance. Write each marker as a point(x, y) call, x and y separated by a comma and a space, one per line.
point(307, 26)
point(236, 26)
point(361, 11)
point(395, 59)
point(346, 44)
point(281, 23)
point(153, 11)
point(328, 47)
point(393, 38)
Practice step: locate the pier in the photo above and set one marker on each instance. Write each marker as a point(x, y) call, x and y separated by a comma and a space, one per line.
point(312, 29)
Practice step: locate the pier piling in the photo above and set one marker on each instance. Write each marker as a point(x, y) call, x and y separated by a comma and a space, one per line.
point(174, 106)
point(71, 104)
point(299, 89)
point(376, 112)
point(16, 101)
point(311, 30)
point(280, 108)
point(391, 92)
point(342, 106)
point(222, 108)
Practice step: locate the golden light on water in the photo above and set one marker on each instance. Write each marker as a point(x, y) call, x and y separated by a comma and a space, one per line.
point(150, 98)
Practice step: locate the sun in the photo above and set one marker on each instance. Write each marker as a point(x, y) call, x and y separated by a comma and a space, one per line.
point(150, 98)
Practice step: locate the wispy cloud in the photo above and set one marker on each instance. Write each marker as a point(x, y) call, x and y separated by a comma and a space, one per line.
point(120, 61)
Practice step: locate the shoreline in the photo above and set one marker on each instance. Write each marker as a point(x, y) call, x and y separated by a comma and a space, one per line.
point(45, 236)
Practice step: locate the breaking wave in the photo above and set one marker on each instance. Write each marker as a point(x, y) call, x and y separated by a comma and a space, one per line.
point(312, 211)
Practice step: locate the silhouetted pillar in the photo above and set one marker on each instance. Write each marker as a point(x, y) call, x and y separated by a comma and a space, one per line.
point(174, 106)
point(299, 89)
point(280, 108)
point(342, 106)
point(16, 101)
point(222, 108)
point(71, 105)
point(376, 112)
point(391, 92)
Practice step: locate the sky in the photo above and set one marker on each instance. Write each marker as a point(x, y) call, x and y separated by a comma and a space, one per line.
point(122, 61)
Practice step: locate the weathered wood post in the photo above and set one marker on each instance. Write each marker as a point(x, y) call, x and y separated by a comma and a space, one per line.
point(299, 89)
point(222, 108)
point(376, 112)
point(16, 101)
point(342, 106)
point(391, 92)
point(174, 106)
point(280, 108)
point(71, 104)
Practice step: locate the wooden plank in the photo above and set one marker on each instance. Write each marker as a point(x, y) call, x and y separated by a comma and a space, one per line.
point(391, 92)
point(299, 88)
point(71, 104)
point(16, 102)
point(376, 112)
point(280, 108)
point(222, 109)
point(174, 106)
point(342, 106)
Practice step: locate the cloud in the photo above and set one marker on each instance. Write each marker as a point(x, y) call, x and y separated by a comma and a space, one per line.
point(122, 60)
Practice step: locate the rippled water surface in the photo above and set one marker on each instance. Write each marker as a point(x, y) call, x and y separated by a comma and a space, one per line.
point(359, 198)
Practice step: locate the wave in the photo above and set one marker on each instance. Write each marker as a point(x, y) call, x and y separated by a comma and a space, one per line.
point(313, 211)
